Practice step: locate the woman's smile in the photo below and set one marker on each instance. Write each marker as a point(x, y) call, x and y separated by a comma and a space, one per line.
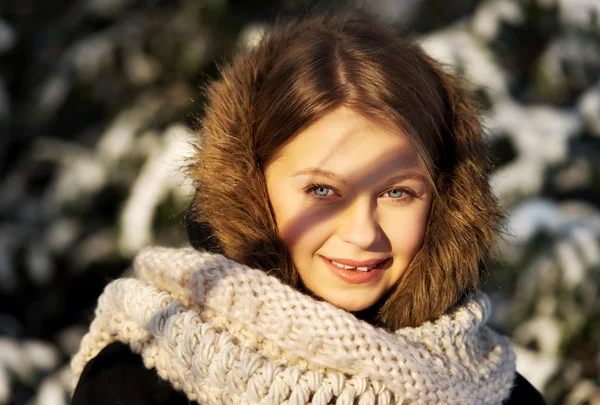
point(362, 265)
point(358, 274)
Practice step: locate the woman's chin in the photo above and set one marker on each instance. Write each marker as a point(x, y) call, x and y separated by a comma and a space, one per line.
point(350, 304)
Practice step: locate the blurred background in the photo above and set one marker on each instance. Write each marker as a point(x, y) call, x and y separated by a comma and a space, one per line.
point(98, 100)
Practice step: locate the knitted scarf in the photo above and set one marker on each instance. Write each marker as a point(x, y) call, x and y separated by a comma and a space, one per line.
point(228, 334)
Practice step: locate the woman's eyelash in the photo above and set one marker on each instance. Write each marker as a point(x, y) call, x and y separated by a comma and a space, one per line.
point(310, 189)
point(404, 190)
point(313, 186)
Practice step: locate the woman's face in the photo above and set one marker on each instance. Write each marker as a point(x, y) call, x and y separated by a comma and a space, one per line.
point(351, 204)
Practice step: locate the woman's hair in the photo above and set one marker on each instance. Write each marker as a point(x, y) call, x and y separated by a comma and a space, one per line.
point(303, 70)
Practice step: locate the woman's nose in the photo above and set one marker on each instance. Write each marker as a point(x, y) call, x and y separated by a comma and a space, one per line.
point(359, 225)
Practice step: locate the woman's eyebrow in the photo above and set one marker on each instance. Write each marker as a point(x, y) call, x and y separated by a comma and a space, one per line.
point(320, 172)
point(409, 175)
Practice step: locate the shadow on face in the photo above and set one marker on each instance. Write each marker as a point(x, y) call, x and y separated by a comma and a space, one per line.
point(349, 190)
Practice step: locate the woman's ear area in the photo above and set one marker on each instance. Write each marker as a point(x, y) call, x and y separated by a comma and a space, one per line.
point(464, 218)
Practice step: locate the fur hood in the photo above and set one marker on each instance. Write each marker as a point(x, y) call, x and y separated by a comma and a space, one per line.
point(261, 101)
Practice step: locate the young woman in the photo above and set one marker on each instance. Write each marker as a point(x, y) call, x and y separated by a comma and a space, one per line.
point(343, 175)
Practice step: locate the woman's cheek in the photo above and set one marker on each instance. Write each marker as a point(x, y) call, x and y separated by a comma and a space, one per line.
point(406, 231)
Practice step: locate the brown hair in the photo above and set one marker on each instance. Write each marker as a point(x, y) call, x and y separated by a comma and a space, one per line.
point(297, 74)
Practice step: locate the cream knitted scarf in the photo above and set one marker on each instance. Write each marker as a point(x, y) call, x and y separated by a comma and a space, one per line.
point(228, 334)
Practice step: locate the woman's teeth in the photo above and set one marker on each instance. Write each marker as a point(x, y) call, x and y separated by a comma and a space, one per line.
point(344, 266)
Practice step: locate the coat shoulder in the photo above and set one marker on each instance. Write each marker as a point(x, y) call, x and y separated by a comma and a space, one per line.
point(118, 376)
point(524, 393)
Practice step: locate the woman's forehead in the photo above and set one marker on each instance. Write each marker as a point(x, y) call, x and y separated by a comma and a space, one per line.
point(344, 141)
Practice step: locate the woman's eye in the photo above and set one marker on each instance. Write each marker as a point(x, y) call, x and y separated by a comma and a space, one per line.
point(322, 191)
point(396, 193)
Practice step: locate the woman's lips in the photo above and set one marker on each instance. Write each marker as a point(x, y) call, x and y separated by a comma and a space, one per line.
point(355, 263)
point(356, 276)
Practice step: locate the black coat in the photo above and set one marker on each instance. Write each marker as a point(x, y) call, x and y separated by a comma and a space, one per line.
point(117, 376)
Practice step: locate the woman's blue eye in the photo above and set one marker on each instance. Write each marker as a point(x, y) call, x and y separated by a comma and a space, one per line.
point(321, 191)
point(395, 193)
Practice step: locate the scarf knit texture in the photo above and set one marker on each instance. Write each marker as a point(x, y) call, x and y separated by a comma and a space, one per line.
point(224, 333)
